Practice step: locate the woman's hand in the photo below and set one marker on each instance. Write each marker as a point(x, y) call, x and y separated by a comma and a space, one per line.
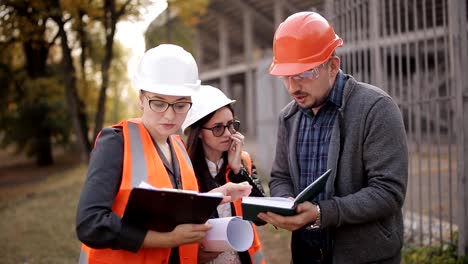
point(182, 234)
point(234, 152)
point(233, 191)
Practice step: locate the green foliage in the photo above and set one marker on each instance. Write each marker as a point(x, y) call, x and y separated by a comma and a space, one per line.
point(180, 28)
point(447, 254)
point(122, 98)
point(33, 102)
point(191, 11)
point(35, 108)
point(180, 34)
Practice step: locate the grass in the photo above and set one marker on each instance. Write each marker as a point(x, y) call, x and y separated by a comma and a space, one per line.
point(37, 226)
point(447, 254)
point(38, 222)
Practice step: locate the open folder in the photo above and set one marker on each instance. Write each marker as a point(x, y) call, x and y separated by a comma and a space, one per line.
point(252, 206)
point(161, 209)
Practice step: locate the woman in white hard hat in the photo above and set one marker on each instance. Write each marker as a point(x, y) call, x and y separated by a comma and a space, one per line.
point(144, 149)
point(215, 148)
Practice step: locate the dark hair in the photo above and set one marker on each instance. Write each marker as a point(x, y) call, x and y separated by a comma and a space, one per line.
point(197, 154)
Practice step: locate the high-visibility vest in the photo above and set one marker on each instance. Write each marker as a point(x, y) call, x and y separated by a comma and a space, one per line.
point(255, 251)
point(141, 162)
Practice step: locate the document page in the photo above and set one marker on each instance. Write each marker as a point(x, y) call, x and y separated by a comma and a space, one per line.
point(145, 185)
point(279, 202)
point(228, 233)
point(252, 206)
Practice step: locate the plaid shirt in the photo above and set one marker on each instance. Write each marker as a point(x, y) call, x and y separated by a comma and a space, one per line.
point(314, 135)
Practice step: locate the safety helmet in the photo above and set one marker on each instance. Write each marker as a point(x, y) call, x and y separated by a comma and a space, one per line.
point(207, 100)
point(167, 69)
point(302, 42)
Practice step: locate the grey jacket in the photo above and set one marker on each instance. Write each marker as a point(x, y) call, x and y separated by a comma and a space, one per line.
point(366, 191)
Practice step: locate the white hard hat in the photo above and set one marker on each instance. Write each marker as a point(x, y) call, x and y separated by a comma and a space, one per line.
point(167, 69)
point(207, 100)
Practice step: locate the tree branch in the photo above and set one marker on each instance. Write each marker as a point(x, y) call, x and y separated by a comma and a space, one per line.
point(122, 10)
point(54, 39)
point(8, 42)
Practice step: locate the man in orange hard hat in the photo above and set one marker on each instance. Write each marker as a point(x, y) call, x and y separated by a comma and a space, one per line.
point(353, 128)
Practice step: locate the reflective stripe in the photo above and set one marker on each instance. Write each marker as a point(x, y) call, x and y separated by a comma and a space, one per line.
point(141, 161)
point(83, 257)
point(258, 257)
point(139, 172)
point(248, 161)
point(181, 146)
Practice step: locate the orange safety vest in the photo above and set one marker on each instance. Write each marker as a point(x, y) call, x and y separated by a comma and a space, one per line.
point(255, 251)
point(141, 162)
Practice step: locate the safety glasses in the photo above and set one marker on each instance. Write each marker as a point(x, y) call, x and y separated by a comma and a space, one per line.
point(312, 74)
point(218, 130)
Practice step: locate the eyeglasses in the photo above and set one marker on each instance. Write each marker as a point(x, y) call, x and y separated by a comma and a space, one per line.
point(312, 74)
point(159, 106)
point(218, 130)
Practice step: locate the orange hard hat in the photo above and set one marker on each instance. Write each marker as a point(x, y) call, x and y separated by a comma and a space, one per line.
point(302, 42)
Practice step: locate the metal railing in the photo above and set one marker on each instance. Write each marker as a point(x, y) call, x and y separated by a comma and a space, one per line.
point(416, 50)
point(409, 49)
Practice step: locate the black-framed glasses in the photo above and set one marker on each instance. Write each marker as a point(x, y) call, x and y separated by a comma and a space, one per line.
point(159, 106)
point(218, 130)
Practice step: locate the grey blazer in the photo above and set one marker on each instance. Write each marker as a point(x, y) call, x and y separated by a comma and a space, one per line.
point(366, 191)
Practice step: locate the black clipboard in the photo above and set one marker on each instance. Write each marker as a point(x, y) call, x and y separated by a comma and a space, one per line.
point(163, 209)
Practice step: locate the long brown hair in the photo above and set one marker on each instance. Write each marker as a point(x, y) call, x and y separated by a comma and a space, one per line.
point(197, 155)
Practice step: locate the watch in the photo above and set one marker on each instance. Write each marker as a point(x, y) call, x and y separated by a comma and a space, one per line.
point(315, 225)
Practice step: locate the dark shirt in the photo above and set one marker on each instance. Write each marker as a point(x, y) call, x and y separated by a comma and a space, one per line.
point(313, 141)
point(314, 136)
point(97, 226)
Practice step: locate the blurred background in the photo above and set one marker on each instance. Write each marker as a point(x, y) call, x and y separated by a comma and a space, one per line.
point(65, 71)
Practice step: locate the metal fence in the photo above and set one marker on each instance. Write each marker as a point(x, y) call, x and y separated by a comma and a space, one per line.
point(416, 50)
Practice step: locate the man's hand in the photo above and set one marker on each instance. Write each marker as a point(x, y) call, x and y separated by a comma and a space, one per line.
point(306, 214)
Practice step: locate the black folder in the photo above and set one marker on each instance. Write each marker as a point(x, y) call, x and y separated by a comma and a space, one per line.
point(163, 209)
point(252, 206)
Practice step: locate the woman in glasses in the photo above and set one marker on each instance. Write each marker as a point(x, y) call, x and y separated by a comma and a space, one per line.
point(144, 150)
point(214, 145)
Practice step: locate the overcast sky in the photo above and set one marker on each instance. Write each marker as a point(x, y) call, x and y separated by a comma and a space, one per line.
point(131, 34)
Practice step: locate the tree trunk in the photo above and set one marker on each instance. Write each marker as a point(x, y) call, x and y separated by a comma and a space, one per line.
point(168, 23)
point(75, 106)
point(44, 155)
point(101, 108)
point(110, 21)
point(84, 48)
point(36, 52)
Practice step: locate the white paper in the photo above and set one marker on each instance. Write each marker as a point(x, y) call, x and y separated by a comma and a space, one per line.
point(288, 203)
point(279, 202)
point(228, 233)
point(145, 185)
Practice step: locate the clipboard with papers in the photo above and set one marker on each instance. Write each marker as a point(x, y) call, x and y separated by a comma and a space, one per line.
point(162, 209)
